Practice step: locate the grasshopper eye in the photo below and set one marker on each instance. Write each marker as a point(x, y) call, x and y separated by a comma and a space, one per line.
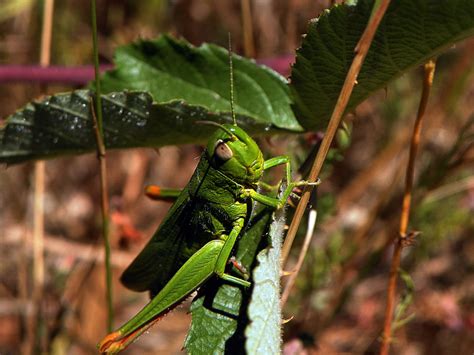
point(222, 151)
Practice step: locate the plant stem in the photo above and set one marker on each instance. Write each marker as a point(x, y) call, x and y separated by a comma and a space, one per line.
point(304, 249)
point(98, 101)
point(402, 238)
point(38, 234)
point(361, 51)
point(81, 75)
point(38, 207)
point(99, 135)
point(249, 43)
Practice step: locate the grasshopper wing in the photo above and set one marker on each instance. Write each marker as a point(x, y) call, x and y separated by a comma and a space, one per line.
point(195, 218)
point(171, 245)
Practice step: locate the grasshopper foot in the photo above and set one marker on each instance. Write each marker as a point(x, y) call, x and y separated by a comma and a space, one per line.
point(308, 183)
point(111, 344)
point(239, 267)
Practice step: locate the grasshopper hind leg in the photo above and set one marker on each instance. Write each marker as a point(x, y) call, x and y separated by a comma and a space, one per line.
point(209, 260)
point(188, 278)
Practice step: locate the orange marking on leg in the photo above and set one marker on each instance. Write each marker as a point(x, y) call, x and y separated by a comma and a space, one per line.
point(239, 267)
point(108, 342)
point(152, 191)
point(117, 341)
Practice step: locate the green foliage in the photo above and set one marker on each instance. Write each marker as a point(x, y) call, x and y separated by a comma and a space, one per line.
point(189, 83)
point(171, 69)
point(406, 300)
point(410, 33)
point(439, 221)
point(62, 124)
point(180, 84)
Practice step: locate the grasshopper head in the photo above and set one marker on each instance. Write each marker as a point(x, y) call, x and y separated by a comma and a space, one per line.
point(234, 153)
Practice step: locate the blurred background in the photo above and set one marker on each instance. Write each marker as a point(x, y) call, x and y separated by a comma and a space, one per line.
point(338, 302)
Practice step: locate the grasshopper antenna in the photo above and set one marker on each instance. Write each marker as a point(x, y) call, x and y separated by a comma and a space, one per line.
point(212, 123)
point(231, 70)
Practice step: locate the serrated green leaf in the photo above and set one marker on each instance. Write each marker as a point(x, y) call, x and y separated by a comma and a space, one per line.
point(214, 319)
point(62, 124)
point(264, 331)
point(171, 69)
point(219, 314)
point(411, 32)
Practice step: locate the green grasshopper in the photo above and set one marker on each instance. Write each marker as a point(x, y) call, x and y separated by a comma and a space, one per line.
point(196, 239)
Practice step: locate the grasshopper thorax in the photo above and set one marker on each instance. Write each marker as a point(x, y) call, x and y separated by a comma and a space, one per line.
point(235, 154)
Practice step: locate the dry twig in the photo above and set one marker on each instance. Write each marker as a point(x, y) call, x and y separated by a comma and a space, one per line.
point(402, 239)
point(361, 51)
point(249, 43)
point(38, 209)
point(304, 249)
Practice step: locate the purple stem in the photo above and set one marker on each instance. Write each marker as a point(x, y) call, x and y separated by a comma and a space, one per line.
point(52, 74)
point(81, 75)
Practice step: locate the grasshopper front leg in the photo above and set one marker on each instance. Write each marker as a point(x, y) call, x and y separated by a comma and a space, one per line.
point(160, 194)
point(210, 259)
point(278, 203)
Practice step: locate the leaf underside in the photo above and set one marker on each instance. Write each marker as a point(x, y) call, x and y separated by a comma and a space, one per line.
point(263, 334)
point(62, 125)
